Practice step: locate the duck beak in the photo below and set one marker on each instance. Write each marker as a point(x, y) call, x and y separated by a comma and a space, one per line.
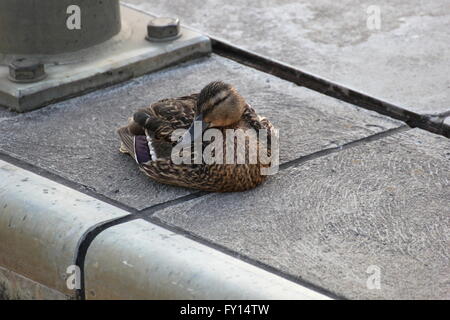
point(194, 132)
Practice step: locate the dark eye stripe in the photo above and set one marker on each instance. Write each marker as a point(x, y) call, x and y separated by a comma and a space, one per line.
point(207, 111)
point(220, 101)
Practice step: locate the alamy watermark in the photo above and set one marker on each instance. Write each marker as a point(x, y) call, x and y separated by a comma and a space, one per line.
point(374, 17)
point(374, 280)
point(73, 281)
point(236, 146)
point(73, 21)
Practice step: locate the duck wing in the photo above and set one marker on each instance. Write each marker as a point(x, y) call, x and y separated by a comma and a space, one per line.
point(165, 116)
point(142, 148)
point(257, 122)
point(212, 178)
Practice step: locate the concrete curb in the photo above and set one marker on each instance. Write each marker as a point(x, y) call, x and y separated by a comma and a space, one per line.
point(42, 224)
point(155, 263)
point(15, 287)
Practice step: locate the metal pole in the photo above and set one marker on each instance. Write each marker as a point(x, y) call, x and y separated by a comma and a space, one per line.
point(56, 26)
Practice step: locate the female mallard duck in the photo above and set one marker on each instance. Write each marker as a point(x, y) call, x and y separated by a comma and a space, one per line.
point(148, 138)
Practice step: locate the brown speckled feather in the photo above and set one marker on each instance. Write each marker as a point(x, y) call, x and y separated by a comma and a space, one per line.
point(214, 178)
point(171, 114)
point(127, 143)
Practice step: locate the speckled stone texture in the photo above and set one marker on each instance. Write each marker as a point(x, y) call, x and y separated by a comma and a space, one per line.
point(405, 62)
point(384, 203)
point(77, 139)
point(5, 113)
point(16, 287)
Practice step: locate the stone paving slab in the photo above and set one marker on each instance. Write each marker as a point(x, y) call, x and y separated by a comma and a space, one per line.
point(382, 204)
point(5, 113)
point(405, 62)
point(76, 139)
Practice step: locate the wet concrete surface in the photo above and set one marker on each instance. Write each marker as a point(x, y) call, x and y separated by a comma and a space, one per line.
point(405, 62)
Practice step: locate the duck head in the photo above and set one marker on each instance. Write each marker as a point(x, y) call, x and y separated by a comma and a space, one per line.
point(219, 105)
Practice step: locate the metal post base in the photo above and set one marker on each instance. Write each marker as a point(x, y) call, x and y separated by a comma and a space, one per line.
point(123, 57)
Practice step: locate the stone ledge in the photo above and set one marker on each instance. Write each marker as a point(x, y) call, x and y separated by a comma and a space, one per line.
point(140, 260)
point(15, 287)
point(41, 224)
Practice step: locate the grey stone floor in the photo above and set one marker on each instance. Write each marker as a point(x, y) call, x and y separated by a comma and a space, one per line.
point(323, 219)
point(356, 190)
point(406, 62)
point(77, 139)
point(326, 221)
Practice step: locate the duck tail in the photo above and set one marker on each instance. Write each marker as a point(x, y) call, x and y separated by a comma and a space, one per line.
point(136, 146)
point(127, 141)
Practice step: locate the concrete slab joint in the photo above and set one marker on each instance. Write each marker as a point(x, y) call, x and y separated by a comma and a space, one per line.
point(340, 57)
point(40, 238)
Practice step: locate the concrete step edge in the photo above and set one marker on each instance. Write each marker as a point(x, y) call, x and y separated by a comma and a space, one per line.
point(43, 222)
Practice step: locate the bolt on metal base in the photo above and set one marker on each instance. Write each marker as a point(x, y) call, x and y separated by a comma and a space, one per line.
point(24, 85)
point(163, 29)
point(26, 70)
